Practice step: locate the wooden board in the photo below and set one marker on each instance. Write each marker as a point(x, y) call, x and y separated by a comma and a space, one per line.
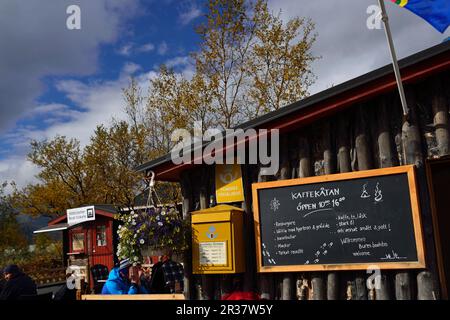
point(339, 229)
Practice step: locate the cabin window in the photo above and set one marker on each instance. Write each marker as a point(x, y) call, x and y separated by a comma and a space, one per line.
point(101, 236)
point(77, 242)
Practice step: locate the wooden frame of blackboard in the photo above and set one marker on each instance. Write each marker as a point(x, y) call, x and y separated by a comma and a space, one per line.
point(418, 232)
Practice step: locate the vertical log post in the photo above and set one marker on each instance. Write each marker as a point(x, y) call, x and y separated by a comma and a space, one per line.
point(426, 288)
point(386, 159)
point(403, 286)
point(332, 280)
point(412, 146)
point(364, 162)
point(304, 170)
point(207, 280)
point(187, 207)
point(344, 164)
point(287, 279)
point(265, 280)
point(383, 292)
point(440, 118)
point(249, 276)
point(318, 286)
point(343, 143)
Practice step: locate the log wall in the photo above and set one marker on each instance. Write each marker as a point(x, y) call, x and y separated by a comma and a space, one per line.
point(370, 135)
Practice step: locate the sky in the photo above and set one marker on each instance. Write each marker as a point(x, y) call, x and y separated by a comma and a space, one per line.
point(56, 81)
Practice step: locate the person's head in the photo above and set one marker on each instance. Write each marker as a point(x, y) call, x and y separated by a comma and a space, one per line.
point(11, 271)
point(135, 272)
point(124, 266)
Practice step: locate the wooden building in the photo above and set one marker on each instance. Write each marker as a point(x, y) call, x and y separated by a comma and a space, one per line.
point(357, 125)
point(87, 242)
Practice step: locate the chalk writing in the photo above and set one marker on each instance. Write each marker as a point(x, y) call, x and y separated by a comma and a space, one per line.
point(354, 221)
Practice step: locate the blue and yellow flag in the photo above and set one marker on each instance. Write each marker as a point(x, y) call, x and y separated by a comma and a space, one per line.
point(436, 12)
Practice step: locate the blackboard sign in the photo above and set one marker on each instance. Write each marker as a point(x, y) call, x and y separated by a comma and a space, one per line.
point(344, 221)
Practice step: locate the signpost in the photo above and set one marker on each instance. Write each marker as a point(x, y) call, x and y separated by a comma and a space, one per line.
point(229, 183)
point(82, 214)
point(346, 221)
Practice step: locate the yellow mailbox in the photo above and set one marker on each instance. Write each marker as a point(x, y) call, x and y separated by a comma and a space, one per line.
point(217, 240)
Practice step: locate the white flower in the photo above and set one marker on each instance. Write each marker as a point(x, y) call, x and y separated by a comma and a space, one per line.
point(142, 241)
point(163, 213)
point(136, 258)
point(160, 223)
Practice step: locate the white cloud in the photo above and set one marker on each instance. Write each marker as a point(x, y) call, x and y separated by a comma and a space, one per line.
point(35, 43)
point(54, 110)
point(162, 48)
point(178, 62)
point(146, 47)
point(348, 48)
point(130, 68)
point(101, 101)
point(18, 169)
point(189, 15)
point(130, 49)
point(125, 50)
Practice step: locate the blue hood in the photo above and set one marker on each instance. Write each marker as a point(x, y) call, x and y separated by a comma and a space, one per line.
point(114, 275)
point(117, 285)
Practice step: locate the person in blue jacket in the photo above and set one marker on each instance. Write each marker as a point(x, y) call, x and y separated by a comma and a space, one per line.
point(124, 279)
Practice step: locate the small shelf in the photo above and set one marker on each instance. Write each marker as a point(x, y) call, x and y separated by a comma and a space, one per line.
point(73, 253)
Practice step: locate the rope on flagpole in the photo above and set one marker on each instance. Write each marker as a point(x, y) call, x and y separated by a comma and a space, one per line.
point(398, 77)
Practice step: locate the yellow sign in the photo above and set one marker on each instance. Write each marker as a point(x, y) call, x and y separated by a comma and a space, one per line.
point(229, 183)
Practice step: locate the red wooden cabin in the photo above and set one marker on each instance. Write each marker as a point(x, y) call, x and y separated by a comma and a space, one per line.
point(88, 243)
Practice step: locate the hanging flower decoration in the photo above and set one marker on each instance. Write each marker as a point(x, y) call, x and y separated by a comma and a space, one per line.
point(158, 228)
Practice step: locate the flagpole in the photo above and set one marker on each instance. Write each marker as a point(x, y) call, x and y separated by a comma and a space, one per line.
point(398, 77)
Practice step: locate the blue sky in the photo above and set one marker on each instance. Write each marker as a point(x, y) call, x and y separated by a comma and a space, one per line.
point(59, 81)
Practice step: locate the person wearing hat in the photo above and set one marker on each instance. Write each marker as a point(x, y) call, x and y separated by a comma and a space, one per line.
point(17, 284)
point(124, 278)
